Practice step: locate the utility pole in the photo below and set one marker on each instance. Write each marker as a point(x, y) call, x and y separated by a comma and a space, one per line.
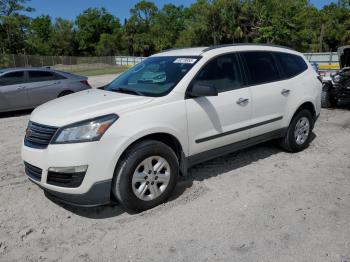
point(320, 44)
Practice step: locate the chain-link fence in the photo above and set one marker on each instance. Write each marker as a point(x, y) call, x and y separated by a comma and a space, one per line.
point(326, 61)
point(68, 63)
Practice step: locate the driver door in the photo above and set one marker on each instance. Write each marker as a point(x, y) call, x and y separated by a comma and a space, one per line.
point(220, 120)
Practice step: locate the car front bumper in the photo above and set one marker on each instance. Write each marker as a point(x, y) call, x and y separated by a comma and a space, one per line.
point(99, 194)
point(99, 157)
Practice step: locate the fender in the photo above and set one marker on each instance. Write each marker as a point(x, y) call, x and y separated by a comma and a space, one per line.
point(289, 117)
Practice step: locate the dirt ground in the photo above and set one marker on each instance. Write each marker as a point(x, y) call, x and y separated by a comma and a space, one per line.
point(259, 204)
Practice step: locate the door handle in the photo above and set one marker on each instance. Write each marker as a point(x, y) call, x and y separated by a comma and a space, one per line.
point(285, 92)
point(242, 101)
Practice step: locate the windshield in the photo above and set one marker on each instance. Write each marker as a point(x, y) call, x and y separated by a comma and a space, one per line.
point(155, 76)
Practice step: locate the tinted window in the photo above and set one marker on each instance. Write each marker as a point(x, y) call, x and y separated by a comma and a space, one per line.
point(292, 65)
point(12, 78)
point(222, 72)
point(261, 66)
point(39, 76)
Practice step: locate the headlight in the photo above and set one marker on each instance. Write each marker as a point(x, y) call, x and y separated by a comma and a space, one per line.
point(85, 131)
point(336, 78)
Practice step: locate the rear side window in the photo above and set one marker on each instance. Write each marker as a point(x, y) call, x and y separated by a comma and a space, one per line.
point(12, 78)
point(40, 76)
point(291, 65)
point(261, 67)
point(222, 72)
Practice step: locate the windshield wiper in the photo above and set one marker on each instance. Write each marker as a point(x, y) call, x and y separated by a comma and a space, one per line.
point(127, 91)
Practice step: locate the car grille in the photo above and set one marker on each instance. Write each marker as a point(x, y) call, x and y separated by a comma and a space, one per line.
point(65, 179)
point(39, 136)
point(32, 171)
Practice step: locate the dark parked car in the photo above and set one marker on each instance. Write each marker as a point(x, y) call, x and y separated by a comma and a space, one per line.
point(339, 85)
point(26, 88)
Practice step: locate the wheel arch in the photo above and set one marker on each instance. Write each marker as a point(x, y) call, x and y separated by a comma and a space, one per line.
point(308, 105)
point(169, 139)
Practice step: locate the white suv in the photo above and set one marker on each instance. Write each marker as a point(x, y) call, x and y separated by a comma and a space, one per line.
point(130, 141)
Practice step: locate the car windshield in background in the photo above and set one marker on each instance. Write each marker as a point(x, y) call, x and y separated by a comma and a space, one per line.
point(155, 76)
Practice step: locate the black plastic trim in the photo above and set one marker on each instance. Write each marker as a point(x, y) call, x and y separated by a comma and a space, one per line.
point(33, 172)
point(244, 44)
point(217, 152)
point(201, 140)
point(38, 136)
point(69, 180)
point(99, 194)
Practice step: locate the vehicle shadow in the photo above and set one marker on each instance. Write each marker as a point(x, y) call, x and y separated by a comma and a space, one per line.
point(198, 172)
point(16, 113)
point(236, 160)
point(115, 209)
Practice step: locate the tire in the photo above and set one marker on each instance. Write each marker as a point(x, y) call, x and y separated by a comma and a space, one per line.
point(65, 93)
point(327, 100)
point(126, 185)
point(292, 141)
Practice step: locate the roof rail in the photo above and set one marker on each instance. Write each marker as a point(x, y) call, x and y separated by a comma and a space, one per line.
point(180, 48)
point(172, 49)
point(242, 44)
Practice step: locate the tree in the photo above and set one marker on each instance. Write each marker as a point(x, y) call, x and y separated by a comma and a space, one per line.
point(90, 25)
point(10, 7)
point(168, 23)
point(63, 38)
point(336, 21)
point(39, 36)
point(138, 28)
point(13, 25)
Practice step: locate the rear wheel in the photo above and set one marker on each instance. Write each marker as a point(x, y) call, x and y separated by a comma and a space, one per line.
point(146, 175)
point(327, 100)
point(297, 137)
point(65, 93)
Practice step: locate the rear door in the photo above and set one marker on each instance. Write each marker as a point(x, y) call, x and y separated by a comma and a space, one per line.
point(42, 86)
point(13, 91)
point(269, 93)
point(217, 121)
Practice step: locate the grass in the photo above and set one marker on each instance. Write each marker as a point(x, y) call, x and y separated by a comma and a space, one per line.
point(100, 71)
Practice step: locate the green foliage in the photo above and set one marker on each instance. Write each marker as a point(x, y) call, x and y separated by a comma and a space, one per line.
point(39, 36)
point(294, 23)
point(90, 25)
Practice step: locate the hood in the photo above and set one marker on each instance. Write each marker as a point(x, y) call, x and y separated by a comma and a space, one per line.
point(85, 105)
point(344, 56)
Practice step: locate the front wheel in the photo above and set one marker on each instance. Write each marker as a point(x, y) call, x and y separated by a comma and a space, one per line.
point(298, 134)
point(145, 176)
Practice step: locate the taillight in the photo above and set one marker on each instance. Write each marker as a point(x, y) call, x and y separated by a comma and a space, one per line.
point(85, 82)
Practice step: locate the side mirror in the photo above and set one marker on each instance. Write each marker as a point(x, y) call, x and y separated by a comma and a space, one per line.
point(199, 90)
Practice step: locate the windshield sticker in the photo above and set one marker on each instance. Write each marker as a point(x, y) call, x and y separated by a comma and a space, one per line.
point(185, 61)
point(138, 67)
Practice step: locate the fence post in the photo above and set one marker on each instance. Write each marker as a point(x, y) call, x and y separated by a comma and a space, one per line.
point(14, 60)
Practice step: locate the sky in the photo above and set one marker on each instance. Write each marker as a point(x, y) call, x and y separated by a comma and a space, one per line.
point(69, 9)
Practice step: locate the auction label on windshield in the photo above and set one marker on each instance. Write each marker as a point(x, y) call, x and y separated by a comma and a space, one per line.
point(185, 60)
